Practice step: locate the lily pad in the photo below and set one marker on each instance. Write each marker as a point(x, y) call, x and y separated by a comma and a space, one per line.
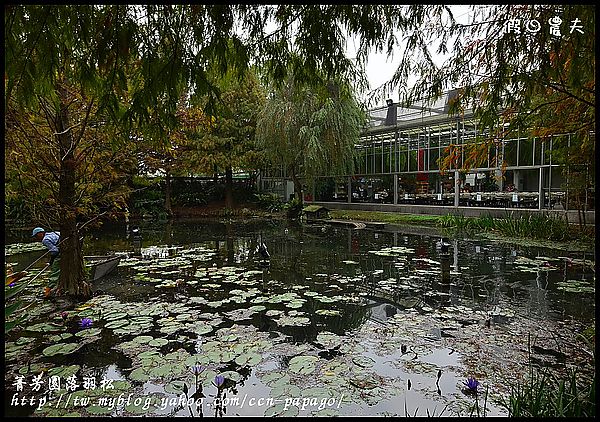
point(327, 312)
point(248, 359)
point(175, 387)
point(280, 410)
point(200, 328)
point(89, 332)
point(61, 349)
point(116, 323)
point(59, 337)
point(329, 340)
point(34, 368)
point(45, 327)
point(64, 371)
point(303, 364)
point(363, 361)
point(142, 339)
point(285, 391)
point(158, 342)
point(231, 375)
point(292, 321)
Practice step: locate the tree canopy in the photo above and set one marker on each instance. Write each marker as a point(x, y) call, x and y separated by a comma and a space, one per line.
point(525, 65)
point(311, 131)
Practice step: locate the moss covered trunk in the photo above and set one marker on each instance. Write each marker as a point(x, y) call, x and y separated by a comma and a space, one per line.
point(72, 279)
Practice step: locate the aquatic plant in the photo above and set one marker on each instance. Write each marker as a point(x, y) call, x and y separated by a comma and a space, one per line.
point(471, 384)
point(535, 226)
point(85, 323)
point(197, 369)
point(545, 394)
point(219, 380)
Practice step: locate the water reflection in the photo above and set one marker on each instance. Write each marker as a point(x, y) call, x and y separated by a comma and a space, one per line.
point(390, 274)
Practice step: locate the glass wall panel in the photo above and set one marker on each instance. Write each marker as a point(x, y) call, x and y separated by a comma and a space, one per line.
point(406, 185)
point(373, 188)
point(510, 152)
point(526, 152)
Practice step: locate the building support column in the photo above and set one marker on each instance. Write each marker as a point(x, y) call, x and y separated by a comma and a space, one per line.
point(541, 190)
point(396, 189)
point(349, 189)
point(456, 188)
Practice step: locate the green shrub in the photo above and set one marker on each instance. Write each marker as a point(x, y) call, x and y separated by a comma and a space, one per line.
point(269, 201)
point(293, 208)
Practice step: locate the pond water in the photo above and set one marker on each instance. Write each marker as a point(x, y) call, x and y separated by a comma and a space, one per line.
point(339, 321)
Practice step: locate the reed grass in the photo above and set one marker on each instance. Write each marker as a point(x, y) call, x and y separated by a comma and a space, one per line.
point(524, 226)
point(545, 394)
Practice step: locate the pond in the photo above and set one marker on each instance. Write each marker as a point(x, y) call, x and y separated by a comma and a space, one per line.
point(339, 321)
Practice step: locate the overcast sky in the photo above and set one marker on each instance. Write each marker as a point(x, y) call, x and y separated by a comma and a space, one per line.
point(380, 68)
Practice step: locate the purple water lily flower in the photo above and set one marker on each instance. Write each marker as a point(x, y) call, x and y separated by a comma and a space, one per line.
point(197, 369)
point(13, 284)
point(64, 314)
point(472, 384)
point(86, 323)
point(219, 380)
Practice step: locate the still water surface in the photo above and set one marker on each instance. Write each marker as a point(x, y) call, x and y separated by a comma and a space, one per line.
point(339, 321)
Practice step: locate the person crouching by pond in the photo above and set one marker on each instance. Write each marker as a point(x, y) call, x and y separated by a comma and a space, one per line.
point(50, 240)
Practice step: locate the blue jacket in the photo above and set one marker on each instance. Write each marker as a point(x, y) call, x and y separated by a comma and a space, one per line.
point(51, 240)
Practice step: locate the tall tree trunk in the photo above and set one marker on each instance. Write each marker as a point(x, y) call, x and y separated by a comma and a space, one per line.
point(229, 187)
point(168, 206)
point(298, 188)
point(72, 275)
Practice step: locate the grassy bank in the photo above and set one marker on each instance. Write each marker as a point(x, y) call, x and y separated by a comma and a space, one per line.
point(534, 227)
point(386, 217)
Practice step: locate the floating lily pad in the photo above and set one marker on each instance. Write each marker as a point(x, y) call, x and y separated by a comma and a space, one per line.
point(275, 377)
point(285, 391)
point(363, 361)
point(292, 321)
point(248, 359)
point(200, 328)
point(158, 342)
point(143, 408)
point(118, 323)
point(327, 312)
point(231, 375)
point(329, 340)
point(34, 368)
point(89, 332)
point(142, 339)
point(61, 349)
point(575, 286)
point(64, 371)
point(99, 410)
point(45, 327)
point(24, 340)
point(303, 364)
point(58, 337)
point(175, 387)
point(280, 410)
